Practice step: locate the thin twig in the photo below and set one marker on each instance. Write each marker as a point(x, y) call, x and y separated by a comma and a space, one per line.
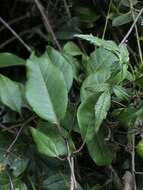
point(133, 161)
point(70, 160)
point(15, 34)
point(67, 8)
point(136, 30)
point(14, 21)
point(107, 18)
point(132, 26)
point(13, 38)
point(14, 141)
point(47, 23)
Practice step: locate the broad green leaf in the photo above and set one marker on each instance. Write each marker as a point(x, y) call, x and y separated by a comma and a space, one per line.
point(95, 82)
point(62, 63)
point(99, 150)
point(46, 90)
point(102, 59)
point(72, 49)
point(86, 117)
point(120, 92)
point(10, 93)
point(51, 143)
point(8, 59)
point(122, 19)
point(101, 108)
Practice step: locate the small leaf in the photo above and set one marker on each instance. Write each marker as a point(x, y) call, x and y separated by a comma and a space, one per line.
point(101, 108)
point(10, 93)
point(51, 143)
point(95, 82)
point(8, 59)
point(72, 49)
point(120, 92)
point(46, 90)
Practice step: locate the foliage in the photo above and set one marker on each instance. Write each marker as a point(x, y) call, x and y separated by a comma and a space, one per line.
point(71, 115)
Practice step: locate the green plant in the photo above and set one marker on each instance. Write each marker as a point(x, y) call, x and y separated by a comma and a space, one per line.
point(43, 106)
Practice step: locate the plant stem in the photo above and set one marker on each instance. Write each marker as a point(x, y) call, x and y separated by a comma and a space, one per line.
point(15, 34)
point(47, 23)
point(67, 8)
point(70, 160)
point(137, 34)
point(133, 161)
point(107, 18)
point(132, 26)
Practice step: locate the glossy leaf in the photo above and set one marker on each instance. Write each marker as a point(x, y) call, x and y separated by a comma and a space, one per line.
point(46, 90)
point(10, 93)
point(51, 144)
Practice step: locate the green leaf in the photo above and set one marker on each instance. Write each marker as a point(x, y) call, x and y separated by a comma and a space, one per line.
point(62, 63)
point(51, 143)
point(8, 59)
point(72, 49)
point(10, 93)
point(18, 166)
point(99, 150)
point(46, 90)
point(86, 117)
point(86, 14)
point(107, 44)
point(101, 108)
point(122, 19)
point(95, 82)
point(120, 92)
point(102, 59)
point(57, 182)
